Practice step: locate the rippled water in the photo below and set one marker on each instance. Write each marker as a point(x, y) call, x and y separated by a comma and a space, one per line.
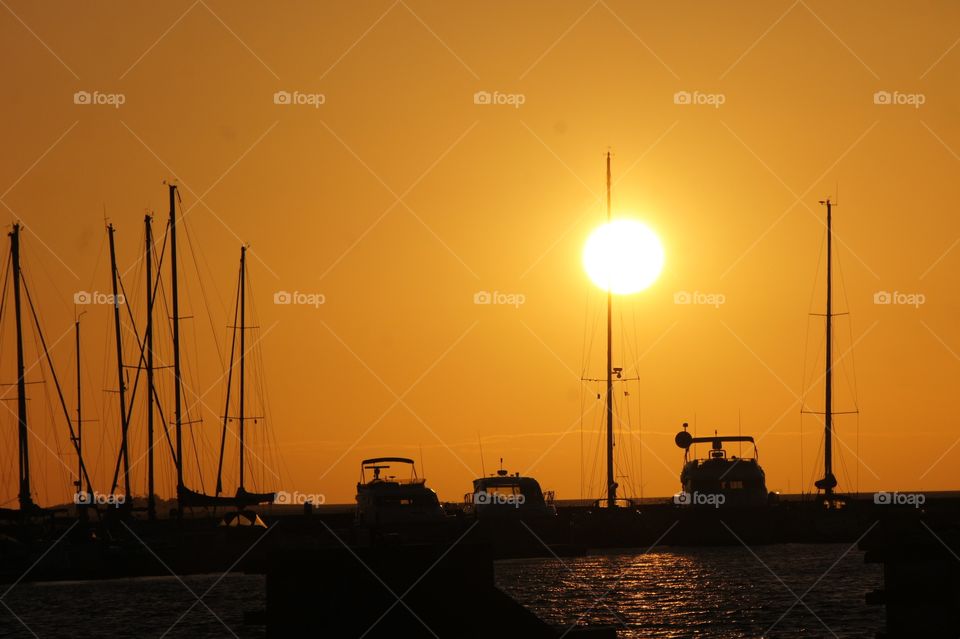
point(705, 592)
point(142, 607)
point(671, 592)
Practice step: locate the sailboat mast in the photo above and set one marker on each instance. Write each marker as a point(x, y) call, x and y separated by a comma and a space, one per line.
point(176, 341)
point(243, 331)
point(124, 424)
point(148, 346)
point(829, 480)
point(26, 501)
point(611, 483)
point(78, 439)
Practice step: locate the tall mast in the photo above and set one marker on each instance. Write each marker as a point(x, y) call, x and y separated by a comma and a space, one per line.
point(124, 424)
point(176, 340)
point(26, 501)
point(148, 346)
point(243, 267)
point(611, 483)
point(78, 438)
point(829, 481)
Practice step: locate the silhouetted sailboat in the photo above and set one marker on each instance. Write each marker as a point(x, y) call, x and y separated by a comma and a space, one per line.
point(27, 506)
point(185, 496)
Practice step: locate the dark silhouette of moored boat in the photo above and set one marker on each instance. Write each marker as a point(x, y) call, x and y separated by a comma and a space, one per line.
point(390, 500)
point(508, 496)
point(720, 479)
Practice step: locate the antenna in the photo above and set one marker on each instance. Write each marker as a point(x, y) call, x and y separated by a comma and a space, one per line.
point(740, 432)
point(483, 469)
point(423, 467)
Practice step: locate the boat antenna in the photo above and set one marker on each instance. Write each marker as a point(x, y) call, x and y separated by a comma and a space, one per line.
point(740, 431)
point(483, 469)
point(423, 467)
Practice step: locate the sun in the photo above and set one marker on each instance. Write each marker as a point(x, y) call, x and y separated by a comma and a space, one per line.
point(623, 256)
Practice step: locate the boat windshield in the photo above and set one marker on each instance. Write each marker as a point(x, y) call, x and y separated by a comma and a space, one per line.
point(406, 501)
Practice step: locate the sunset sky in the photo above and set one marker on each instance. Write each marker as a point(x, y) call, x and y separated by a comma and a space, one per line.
point(378, 182)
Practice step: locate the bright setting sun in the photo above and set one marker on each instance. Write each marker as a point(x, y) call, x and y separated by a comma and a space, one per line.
point(623, 256)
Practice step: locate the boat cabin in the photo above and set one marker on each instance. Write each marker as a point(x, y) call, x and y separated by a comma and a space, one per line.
point(506, 495)
point(387, 499)
point(720, 478)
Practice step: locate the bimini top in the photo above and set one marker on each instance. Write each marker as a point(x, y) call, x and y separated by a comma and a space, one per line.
point(378, 464)
point(380, 460)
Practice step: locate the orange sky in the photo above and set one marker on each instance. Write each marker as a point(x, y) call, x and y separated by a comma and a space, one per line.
point(398, 198)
